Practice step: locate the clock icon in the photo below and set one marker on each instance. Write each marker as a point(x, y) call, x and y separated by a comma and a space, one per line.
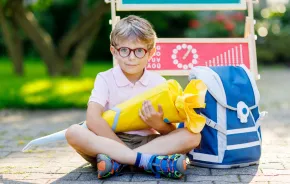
point(184, 56)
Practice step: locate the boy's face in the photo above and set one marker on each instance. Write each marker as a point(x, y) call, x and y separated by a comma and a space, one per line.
point(132, 64)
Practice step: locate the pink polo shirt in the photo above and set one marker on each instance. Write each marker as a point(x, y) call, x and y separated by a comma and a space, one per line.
point(112, 87)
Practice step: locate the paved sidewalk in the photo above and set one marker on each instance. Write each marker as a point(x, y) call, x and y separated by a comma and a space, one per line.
point(60, 164)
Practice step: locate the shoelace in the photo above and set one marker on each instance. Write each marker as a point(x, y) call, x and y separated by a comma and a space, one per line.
point(169, 164)
point(117, 168)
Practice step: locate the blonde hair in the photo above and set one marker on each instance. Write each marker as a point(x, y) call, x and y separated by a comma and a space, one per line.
point(134, 27)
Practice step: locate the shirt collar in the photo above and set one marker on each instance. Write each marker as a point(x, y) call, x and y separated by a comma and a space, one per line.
point(122, 80)
point(144, 80)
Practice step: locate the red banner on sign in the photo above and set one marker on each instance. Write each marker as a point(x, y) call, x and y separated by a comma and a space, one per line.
point(184, 56)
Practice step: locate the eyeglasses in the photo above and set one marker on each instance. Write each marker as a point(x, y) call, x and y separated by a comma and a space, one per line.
point(138, 52)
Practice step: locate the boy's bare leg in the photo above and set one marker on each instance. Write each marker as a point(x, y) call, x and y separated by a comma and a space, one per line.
point(177, 141)
point(90, 144)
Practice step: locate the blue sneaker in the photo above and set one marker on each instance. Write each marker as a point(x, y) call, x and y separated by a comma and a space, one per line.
point(171, 166)
point(107, 167)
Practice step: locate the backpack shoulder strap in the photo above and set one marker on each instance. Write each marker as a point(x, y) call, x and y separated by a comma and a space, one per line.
point(214, 125)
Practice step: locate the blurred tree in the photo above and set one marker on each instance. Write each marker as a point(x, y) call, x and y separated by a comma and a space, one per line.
point(77, 40)
point(273, 47)
point(12, 38)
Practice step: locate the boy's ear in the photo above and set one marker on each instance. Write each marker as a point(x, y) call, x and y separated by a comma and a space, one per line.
point(113, 50)
point(152, 52)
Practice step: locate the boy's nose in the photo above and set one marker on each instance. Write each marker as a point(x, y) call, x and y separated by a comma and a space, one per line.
point(132, 55)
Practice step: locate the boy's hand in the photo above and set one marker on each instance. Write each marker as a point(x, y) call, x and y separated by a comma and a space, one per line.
point(155, 119)
point(151, 117)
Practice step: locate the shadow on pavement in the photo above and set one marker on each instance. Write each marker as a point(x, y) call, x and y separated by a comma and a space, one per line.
point(88, 174)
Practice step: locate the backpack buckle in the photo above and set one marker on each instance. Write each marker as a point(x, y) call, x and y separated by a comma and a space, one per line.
point(243, 112)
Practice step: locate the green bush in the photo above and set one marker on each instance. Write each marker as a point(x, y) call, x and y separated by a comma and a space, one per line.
point(217, 25)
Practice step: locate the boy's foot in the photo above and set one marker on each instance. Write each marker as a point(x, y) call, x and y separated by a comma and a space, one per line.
point(171, 166)
point(107, 167)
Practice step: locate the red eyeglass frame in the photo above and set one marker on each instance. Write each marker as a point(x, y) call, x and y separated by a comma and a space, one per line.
point(118, 49)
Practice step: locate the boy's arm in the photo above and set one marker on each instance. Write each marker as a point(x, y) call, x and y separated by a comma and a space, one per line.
point(97, 124)
point(164, 128)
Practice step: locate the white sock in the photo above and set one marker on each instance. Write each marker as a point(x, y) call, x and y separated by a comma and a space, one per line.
point(144, 160)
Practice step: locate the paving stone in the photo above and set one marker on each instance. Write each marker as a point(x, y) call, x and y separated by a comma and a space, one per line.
point(252, 170)
point(88, 176)
point(73, 169)
point(33, 155)
point(257, 182)
point(271, 160)
point(275, 172)
point(5, 170)
point(23, 160)
point(222, 182)
point(149, 177)
point(120, 182)
point(272, 166)
point(283, 155)
point(56, 181)
point(40, 181)
point(13, 176)
point(21, 170)
point(44, 170)
point(271, 155)
point(123, 178)
point(76, 158)
point(21, 164)
point(4, 154)
point(285, 160)
point(9, 149)
point(197, 171)
point(172, 182)
point(226, 178)
point(284, 178)
point(69, 176)
point(286, 165)
point(275, 149)
point(53, 163)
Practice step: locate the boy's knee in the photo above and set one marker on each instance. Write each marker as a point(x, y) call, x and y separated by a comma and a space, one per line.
point(72, 134)
point(197, 139)
point(193, 140)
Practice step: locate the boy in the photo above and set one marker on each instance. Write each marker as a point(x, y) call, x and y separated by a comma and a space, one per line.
point(160, 149)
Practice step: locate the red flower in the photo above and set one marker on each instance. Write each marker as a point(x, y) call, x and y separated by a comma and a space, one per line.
point(220, 17)
point(239, 16)
point(229, 26)
point(194, 24)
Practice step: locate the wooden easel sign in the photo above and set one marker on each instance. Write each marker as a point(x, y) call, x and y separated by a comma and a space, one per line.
point(176, 56)
point(176, 5)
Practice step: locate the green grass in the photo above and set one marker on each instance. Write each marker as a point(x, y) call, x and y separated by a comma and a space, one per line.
point(37, 90)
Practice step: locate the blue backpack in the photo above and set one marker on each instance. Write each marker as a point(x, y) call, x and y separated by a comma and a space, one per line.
point(232, 135)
